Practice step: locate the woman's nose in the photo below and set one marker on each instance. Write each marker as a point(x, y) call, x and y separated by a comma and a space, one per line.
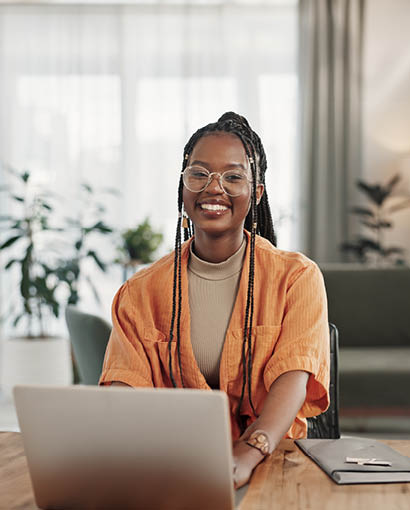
point(215, 186)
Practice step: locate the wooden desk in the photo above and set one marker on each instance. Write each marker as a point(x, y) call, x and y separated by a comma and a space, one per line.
point(287, 480)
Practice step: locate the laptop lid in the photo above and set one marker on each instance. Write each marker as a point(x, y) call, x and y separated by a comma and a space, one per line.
point(120, 448)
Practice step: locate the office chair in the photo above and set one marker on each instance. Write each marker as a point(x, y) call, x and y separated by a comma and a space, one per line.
point(326, 425)
point(89, 336)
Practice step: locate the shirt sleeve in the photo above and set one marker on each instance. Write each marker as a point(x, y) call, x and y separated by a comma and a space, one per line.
point(303, 343)
point(125, 358)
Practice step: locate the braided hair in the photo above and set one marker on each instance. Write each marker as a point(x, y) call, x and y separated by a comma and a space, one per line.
point(258, 221)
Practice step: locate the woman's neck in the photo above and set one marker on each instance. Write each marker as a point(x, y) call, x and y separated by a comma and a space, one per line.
point(216, 248)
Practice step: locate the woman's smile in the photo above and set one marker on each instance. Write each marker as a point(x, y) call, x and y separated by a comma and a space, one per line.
point(213, 208)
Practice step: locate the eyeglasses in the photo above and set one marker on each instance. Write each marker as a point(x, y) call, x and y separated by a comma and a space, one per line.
point(233, 182)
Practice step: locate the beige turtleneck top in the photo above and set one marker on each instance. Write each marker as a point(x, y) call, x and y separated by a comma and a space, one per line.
point(212, 292)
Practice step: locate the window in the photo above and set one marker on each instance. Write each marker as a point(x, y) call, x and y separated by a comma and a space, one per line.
point(109, 94)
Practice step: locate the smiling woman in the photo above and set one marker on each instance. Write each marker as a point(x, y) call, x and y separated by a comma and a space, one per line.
point(228, 310)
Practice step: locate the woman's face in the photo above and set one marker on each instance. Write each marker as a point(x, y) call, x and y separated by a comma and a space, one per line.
point(219, 153)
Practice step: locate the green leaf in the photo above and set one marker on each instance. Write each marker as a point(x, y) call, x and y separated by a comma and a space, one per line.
point(25, 176)
point(362, 211)
point(392, 183)
point(55, 307)
point(369, 244)
point(10, 263)
point(374, 192)
point(99, 263)
point(19, 199)
point(17, 319)
point(87, 187)
point(47, 269)
point(25, 285)
point(73, 299)
point(16, 225)
point(9, 242)
point(376, 225)
point(100, 226)
point(360, 247)
point(392, 250)
point(25, 282)
point(27, 307)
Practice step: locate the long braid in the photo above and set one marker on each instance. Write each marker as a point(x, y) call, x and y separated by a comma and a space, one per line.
point(176, 288)
point(171, 331)
point(251, 286)
point(258, 221)
point(179, 294)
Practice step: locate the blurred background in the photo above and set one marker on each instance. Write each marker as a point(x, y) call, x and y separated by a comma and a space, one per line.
point(97, 100)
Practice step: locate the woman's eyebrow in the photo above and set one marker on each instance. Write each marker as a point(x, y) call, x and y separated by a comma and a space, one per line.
point(207, 165)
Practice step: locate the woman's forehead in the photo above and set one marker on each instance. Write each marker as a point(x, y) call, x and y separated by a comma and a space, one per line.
point(221, 149)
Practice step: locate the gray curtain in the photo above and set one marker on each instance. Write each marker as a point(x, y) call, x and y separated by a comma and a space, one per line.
point(330, 49)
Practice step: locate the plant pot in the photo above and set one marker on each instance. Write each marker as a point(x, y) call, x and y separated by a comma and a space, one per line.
point(40, 361)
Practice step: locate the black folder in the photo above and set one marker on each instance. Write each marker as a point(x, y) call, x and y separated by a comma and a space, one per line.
point(331, 455)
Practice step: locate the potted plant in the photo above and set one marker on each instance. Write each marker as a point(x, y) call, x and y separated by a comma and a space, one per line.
point(81, 231)
point(34, 355)
point(138, 246)
point(375, 218)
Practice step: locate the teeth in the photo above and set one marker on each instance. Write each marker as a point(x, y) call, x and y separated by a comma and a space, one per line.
point(214, 207)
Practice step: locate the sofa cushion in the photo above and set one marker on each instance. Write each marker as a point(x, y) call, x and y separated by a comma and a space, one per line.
point(370, 307)
point(378, 378)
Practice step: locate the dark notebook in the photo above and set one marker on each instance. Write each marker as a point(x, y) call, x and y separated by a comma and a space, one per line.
point(332, 455)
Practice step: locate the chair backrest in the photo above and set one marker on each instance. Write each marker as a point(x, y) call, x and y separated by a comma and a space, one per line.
point(326, 425)
point(89, 336)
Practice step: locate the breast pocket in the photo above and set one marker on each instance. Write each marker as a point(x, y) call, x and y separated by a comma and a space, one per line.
point(157, 348)
point(264, 339)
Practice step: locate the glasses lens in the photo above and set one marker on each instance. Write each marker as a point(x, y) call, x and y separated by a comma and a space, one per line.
point(234, 182)
point(196, 178)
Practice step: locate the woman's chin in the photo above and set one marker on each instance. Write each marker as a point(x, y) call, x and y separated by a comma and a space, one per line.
point(217, 228)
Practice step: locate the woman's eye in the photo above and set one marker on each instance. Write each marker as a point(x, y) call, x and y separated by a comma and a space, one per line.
point(234, 177)
point(199, 173)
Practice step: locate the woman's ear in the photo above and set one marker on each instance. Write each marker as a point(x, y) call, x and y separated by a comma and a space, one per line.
point(259, 192)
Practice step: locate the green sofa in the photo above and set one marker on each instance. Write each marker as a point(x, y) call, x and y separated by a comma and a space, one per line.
point(371, 309)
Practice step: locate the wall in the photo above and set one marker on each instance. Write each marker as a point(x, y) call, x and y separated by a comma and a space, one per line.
point(386, 95)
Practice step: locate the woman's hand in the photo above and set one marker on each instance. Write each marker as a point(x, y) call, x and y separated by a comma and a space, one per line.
point(245, 460)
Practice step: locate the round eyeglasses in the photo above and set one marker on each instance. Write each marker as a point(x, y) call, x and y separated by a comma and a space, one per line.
point(233, 182)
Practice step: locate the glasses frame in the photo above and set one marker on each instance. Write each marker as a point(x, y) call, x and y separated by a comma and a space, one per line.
point(210, 177)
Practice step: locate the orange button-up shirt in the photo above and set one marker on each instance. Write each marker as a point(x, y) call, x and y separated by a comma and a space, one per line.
point(290, 332)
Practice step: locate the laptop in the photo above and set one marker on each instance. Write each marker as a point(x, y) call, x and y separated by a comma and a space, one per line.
point(106, 448)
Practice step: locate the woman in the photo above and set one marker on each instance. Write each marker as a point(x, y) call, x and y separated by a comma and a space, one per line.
point(227, 309)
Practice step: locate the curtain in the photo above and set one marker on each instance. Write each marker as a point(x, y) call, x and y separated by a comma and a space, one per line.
point(109, 94)
point(330, 67)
